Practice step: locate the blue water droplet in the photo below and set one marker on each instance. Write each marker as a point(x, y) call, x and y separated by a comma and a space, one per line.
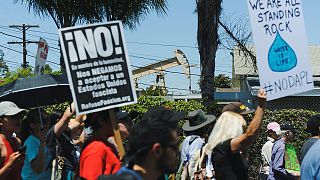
point(281, 56)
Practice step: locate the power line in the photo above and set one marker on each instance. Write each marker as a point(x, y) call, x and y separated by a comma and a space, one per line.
point(11, 35)
point(157, 60)
point(165, 45)
point(24, 28)
point(28, 55)
point(51, 33)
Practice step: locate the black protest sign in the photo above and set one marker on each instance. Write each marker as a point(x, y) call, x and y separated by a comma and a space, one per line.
point(98, 67)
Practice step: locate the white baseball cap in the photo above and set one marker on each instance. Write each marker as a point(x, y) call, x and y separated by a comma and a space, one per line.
point(8, 108)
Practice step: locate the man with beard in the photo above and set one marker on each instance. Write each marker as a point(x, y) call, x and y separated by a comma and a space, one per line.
point(153, 145)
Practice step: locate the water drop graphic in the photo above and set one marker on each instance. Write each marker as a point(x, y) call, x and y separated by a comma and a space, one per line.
point(281, 56)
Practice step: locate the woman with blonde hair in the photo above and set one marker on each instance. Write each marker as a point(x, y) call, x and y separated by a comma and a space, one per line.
point(228, 141)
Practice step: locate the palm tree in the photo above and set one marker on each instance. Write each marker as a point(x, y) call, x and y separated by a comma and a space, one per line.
point(208, 17)
point(67, 13)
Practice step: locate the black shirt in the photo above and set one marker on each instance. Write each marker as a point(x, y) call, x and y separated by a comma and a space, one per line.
point(228, 165)
point(65, 148)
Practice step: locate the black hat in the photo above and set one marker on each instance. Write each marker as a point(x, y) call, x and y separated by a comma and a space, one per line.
point(313, 124)
point(163, 113)
point(122, 114)
point(237, 107)
point(287, 126)
point(196, 120)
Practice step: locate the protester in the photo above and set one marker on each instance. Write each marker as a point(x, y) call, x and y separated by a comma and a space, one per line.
point(273, 131)
point(227, 142)
point(98, 156)
point(277, 169)
point(61, 141)
point(153, 144)
point(313, 127)
point(125, 124)
point(310, 168)
point(33, 130)
point(11, 160)
point(196, 127)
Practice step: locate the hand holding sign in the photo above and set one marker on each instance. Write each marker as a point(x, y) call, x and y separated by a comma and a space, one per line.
point(262, 96)
point(281, 47)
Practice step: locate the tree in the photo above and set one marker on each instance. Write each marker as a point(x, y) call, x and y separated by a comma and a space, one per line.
point(238, 34)
point(18, 73)
point(222, 81)
point(67, 13)
point(156, 91)
point(208, 17)
point(3, 66)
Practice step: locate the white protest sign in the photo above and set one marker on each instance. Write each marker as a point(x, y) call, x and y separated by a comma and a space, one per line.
point(281, 47)
point(97, 66)
point(41, 57)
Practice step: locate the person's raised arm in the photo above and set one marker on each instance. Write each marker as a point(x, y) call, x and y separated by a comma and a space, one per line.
point(246, 139)
point(62, 124)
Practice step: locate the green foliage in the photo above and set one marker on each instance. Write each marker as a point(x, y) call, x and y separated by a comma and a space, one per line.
point(25, 72)
point(47, 69)
point(155, 91)
point(51, 108)
point(297, 117)
point(3, 66)
point(222, 81)
point(19, 73)
point(146, 102)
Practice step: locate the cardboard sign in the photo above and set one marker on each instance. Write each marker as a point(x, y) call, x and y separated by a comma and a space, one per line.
point(97, 66)
point(281, 47)
point(41, 57)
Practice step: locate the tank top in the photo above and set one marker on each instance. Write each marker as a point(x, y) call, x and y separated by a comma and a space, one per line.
point(15, 173)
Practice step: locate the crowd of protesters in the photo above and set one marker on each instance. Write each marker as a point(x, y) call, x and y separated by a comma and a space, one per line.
point(34, 145)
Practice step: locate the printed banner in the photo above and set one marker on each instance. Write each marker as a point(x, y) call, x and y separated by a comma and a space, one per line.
point(281, 47)
point(97, 66)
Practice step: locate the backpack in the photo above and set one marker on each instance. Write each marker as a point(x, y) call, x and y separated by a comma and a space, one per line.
point(183, 172)
point(198, 167)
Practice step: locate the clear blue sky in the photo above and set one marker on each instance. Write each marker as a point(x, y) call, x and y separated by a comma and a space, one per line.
point(177, 28)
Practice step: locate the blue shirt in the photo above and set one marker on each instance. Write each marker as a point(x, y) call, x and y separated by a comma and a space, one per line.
point(126, 170)
point(310, 168)
point(32, 144)
point(277, 169)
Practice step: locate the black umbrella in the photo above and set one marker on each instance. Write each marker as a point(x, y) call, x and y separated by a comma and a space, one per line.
point(37, 91)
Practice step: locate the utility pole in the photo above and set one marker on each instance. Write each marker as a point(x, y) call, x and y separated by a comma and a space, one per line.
point(24, 42)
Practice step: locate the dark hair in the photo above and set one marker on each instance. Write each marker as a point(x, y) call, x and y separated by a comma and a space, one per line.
point(32, 117)
point(92, 119)
point(147, 132)
point(313, 125)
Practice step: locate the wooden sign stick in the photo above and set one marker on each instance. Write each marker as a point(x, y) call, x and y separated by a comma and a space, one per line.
point(116, 132)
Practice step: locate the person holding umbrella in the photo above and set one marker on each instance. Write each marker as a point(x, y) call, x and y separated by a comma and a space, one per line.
point(11, 159)
point(33, 130)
